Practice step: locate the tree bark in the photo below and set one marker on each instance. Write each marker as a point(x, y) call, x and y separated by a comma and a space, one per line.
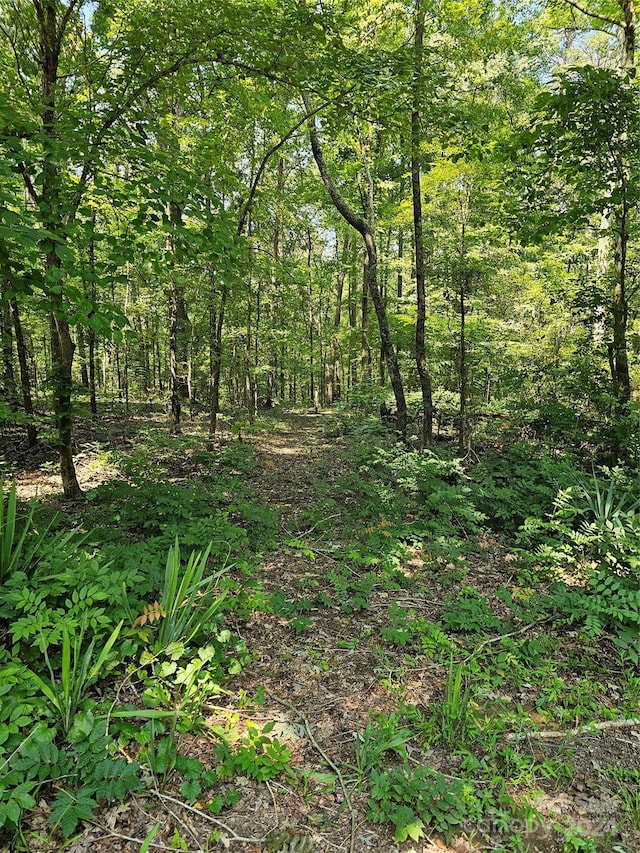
point(9, 390)
point(426, 436)
point(366, 232)
point(51, 203)
point(25, 379)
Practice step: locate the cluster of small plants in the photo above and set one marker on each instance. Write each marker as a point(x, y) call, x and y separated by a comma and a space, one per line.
point(88, 616)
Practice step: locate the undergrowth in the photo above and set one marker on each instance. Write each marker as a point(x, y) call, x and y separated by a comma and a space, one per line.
point(121, 632)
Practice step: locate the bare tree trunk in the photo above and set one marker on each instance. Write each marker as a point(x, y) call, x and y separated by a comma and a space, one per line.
point(178, 366)
point(333, 377)
point(620, 314)
point(9, 390)
point(365, 349)
point(91, 335)
point(82, 352)
point(366, 232)
point(426, 436)
point(25, 379)
point(50, 35)
point(62, 349)
point(216, 325)
point(250, 396)
point(463, 373)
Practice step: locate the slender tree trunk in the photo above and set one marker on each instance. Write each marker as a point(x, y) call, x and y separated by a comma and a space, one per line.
point(178, 325)
point(620, 315)
point(365, 349)
point(25, 380)
point(82, 352)
point(400, 282)
point(250, 397)
point(9, 390)
point(333, 376)
point(426, 436)
point(463, 373)
point(91, 335)
point(62, 347)
point(366, 232)
point(216, 326)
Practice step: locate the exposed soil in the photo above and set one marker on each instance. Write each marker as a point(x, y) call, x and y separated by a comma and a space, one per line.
point(322, 685)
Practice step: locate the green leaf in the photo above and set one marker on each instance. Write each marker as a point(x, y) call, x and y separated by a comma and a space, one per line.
point(191, 790)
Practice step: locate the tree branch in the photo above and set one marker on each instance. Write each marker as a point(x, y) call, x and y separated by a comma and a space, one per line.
point(594, 15)
point(246, 208)
point(586, 729)
point(342, 207)
point(65, 19)
point(31, 190)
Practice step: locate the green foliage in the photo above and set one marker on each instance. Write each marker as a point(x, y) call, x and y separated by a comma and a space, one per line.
point(609, 602)
point(352, 591)
point(594, 533)
point(518, 482)
point(71, 586)
point(160, 511)
point(256, 755)
point(416, 798)
point(190, 599)
point(470, 612)
point(78, 671)
point(381, 735)
point(19, 548)
point(26, 760)
point(628, 790)
point(573, 127)
point(409, 630)
point(180, 679)
point(97, 776)
point(454, 717)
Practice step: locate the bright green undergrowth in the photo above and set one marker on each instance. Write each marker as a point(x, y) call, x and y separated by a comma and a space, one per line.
point(120, 630)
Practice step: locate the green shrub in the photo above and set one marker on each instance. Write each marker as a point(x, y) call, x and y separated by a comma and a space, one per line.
point(518, 482)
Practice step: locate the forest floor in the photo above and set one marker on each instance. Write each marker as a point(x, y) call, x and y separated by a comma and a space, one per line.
point(336, 691)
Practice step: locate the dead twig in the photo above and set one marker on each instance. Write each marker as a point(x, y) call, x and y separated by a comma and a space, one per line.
point(587, 728)
point(309, 732)
point(233, 836)
point(152, 844)
point(491, 640)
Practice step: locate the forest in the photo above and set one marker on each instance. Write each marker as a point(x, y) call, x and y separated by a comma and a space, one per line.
point(320, 452)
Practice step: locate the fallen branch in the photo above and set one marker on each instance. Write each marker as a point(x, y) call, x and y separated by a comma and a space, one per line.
point(233, 836)
point(140, 841)
point(587, 728)
point(491, 640)
point(323, 754)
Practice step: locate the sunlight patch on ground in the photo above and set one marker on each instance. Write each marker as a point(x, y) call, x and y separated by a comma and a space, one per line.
point(92, 471)
point(284, 450)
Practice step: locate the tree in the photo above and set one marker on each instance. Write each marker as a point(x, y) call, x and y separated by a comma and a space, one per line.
point(364, 226)
point(416, 195)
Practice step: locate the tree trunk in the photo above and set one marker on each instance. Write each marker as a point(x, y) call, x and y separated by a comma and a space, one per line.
point(25, 380)
point(620, 314)
point(250, 396)
point(82, 352)
point(216, 325)
point(91, 335)
point(462, 376)
point(365, 349)
point(178, 325)
point(62, 347)
point(426, 436)
point(333, 378)
point(366, 232)
point(9, 390)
